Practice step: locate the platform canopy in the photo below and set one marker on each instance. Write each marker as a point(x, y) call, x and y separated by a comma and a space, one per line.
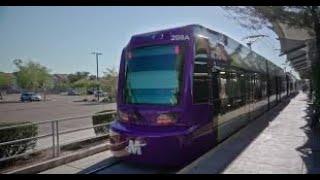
point(297, 44)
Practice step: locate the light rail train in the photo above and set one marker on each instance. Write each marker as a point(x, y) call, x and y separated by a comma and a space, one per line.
point(183, 90)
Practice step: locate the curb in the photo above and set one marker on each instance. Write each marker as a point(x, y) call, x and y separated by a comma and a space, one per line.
point(39, 167)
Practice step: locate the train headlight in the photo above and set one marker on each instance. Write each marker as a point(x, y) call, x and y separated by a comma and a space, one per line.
point(166, 119)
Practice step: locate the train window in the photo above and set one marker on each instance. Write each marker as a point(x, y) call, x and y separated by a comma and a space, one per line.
point(284, 84)
point(153, 75)
point(272, 85)
point(232, 90)
point(223, 92)
point(264, 86)
point(201, 55)
point(258, 87)
point(200, 89)
point(200, 71)
point(242, 88)
point(223, 82)
point(232, 85)
point(247, 91)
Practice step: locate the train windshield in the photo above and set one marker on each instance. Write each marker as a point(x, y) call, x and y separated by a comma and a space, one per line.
point(153, 75)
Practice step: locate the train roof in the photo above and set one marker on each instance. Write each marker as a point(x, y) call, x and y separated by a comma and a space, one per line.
point(255, 63)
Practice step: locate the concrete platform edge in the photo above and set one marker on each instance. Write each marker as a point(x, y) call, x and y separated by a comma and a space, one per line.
point(36, 168)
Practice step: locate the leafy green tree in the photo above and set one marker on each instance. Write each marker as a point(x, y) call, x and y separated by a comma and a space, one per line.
point(109, 82)
point(305, 17)
point(77, 76)
point(85, 84)
point(5, 82)
point(61, 86)
point(32, 76)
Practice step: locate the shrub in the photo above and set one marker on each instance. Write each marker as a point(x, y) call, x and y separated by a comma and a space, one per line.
point(100, 118)
point(11, 134)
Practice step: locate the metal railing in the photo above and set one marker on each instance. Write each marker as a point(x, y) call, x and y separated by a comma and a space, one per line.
point(55, 133)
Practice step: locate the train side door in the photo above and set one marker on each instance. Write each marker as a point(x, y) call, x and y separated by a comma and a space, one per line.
point(277, 89)
point(215, 100)
point(214, 90)
point(202, 82)
point(213, 86)
point(247, 95)
point(252, 81)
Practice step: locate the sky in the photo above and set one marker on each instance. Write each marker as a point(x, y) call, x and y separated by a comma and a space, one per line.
point(62, 38)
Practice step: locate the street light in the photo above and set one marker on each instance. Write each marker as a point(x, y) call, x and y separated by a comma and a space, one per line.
point(97, 54)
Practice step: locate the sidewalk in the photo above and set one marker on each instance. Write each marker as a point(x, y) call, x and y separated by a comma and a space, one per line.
point(280, 141)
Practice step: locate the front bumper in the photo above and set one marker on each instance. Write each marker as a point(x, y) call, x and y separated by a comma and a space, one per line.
point(167, 148)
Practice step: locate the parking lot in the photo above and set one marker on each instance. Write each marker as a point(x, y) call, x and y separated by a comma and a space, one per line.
point(56, 107)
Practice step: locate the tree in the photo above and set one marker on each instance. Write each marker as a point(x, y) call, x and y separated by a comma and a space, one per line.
point(257, 17)
point(61, 86)
point(32, 76)
point(77, 76)
point(5, 82)
point(306, 17)
point(109, 82)
point(85, 83)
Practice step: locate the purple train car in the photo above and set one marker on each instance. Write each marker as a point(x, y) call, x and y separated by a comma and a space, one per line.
point(183, 90)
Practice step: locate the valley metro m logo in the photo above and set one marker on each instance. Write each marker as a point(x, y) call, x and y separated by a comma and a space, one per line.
point(134, 147)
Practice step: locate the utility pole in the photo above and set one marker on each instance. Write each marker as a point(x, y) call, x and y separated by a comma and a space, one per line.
point(98, 86)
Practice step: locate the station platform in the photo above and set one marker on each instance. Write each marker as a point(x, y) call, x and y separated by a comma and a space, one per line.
point(278, 142)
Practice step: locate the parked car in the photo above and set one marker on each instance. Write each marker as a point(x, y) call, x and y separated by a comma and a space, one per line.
point(73, 92)
point(30, 96)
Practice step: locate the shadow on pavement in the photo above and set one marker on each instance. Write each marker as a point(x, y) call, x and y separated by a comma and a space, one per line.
point(310, 151)
point(223, 157)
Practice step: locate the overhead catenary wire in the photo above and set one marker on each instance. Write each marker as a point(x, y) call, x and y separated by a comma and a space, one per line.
point(246, 32)
point(265, 41)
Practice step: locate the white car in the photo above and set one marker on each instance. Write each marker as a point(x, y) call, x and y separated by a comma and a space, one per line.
point(36, 97)
point(30, 96)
